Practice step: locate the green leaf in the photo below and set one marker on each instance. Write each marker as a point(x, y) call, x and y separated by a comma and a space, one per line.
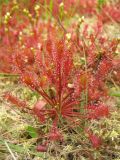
point(51, 6)
point(4, 1)
point(61, 10)
point(101, 3)
point(32, 132)
point(115, 94)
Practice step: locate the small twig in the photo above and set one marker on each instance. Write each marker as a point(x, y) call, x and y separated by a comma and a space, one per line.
point(59, 22)
point(14, 158)
point(8, 75)
point(86, 70)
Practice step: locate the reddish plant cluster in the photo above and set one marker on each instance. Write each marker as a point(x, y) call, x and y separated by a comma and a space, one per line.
point(17, 20)
point(98, 61)
point(110, 13)
point(50, 70)
point(10, 30)
point(87, 7)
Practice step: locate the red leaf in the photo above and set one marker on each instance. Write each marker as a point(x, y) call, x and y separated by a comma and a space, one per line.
point(14, 100)
point(38, 110)
point(95, 140)
point(54, 134)
point(42, 148)
point(96, 112)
